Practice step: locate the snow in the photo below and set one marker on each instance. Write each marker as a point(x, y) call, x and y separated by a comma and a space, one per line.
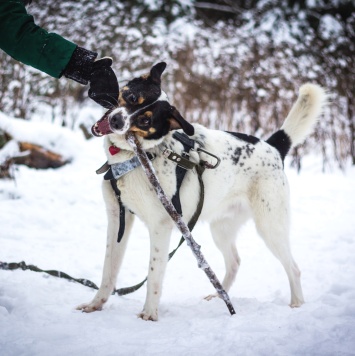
point(56, 219)
point(330, 26)
point(10, 149)
point(44, 134)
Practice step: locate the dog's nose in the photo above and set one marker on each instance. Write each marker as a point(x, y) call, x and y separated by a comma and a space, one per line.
point(116, 121)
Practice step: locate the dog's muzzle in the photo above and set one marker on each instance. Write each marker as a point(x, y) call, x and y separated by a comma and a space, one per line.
point(117, 121)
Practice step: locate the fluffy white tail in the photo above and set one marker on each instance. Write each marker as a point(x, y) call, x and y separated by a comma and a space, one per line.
point(305, 113)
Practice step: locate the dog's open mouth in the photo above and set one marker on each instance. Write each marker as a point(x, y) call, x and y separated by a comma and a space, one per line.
point(102, 127)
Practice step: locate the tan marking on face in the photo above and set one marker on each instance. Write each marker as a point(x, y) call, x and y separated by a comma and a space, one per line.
point(141, 100)
point(121, 101)
point(148, 114)
point(145, 76)
point(125, 88)
point(139, 131)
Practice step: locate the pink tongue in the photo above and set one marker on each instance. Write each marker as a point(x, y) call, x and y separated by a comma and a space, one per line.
point(101, 128)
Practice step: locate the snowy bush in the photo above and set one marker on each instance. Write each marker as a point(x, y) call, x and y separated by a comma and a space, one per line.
point(233, 65)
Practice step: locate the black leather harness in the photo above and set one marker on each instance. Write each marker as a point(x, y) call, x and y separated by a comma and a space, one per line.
point(113, 174)
point(116, 171)
point(180, 171)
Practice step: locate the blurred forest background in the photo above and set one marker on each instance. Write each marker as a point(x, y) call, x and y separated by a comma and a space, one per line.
point(232, 64)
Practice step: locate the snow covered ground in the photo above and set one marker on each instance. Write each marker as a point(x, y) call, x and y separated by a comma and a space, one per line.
point(55, 219)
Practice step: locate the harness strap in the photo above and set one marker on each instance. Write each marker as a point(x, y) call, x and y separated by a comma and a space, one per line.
point(180, 172)
point(191, 224)
point(180, 175)
point(122, 210)
point(113, 173)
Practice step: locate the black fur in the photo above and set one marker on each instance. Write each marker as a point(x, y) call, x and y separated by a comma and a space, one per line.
point(281, 141)
point(144, 90)
point(161, 117)
point(247, 138)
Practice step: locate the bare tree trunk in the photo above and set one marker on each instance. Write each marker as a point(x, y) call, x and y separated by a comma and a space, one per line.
point(351, 116)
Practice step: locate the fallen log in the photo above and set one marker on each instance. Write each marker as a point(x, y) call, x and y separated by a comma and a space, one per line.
point(36, 156)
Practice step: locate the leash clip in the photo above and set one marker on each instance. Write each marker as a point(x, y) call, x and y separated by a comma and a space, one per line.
point(207, 164)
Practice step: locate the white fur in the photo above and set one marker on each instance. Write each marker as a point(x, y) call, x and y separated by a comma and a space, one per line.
point(249, 183)
point(305, 112)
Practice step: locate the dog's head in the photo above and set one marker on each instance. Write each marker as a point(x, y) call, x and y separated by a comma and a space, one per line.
point(142, 91)
point(136, 94)
point(143, 108)
point(151, 122)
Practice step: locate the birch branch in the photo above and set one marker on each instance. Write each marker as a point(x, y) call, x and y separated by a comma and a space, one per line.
point(196, 249)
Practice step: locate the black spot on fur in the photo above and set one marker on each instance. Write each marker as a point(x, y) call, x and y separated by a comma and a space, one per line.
point(236, 155)
point(242, 153)
point(249, 150)
point(247, 138)
point(281, 141)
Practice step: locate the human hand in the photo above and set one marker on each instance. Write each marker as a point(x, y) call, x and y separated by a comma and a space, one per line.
point(103, 83)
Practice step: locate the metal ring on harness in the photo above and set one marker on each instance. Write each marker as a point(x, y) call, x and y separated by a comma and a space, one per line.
point(205, 163)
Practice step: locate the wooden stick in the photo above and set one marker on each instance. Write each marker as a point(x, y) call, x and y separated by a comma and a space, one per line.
point(196, 249)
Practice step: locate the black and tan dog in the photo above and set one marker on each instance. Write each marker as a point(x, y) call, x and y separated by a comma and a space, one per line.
point(248, 183)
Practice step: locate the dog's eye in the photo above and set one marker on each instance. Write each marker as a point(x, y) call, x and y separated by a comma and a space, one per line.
point(132, 99)
point(144, 121)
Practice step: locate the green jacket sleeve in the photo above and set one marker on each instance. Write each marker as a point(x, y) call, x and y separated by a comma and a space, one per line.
point(23, 40)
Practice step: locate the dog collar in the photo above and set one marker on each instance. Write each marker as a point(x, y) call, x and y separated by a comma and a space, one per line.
point(118, 170)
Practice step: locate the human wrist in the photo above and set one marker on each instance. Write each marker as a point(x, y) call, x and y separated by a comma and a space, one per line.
point(80, 65)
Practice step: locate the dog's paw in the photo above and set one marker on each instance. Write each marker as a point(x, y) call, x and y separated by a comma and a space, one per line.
point(296, 304)
point(211, 296)
point(148, 316)
point(90, 307)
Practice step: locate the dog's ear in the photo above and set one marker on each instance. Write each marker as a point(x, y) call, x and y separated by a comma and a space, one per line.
point(178, 122)
point(157, 71)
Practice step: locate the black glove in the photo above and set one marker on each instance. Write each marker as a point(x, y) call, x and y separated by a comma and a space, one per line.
point(103, 83)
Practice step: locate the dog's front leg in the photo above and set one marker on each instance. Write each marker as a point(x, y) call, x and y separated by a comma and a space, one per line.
point(159, 249)
point(114, 253)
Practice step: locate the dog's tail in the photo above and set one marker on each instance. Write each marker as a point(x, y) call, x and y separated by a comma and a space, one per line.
point(301, 119)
